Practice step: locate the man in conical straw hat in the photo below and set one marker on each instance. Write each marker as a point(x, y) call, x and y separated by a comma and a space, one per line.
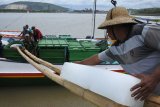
point(137, 49)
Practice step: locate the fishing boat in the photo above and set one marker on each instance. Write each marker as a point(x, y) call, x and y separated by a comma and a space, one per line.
point(53, 49)
point(147, 20)
point(56, 49)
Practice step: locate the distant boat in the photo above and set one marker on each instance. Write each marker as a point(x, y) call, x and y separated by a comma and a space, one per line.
point(147, 20)
point(10, 33)
point(52, 48)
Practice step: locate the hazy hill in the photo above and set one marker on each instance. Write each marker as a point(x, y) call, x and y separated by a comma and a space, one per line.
point(34, 6)
point(146, 11)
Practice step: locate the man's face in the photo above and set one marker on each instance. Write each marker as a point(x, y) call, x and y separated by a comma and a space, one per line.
point(110, 33)
point(120, 32)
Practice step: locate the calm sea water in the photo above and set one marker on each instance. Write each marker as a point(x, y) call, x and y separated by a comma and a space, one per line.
point(77, 25)
point(40, 96)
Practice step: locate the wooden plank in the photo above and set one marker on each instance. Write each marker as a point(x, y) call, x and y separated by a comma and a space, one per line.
point(151, 104)
point(100, 100)
point(152, 101)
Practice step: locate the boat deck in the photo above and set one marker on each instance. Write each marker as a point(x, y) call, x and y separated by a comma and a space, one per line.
point(22, 74)
point(15, 69)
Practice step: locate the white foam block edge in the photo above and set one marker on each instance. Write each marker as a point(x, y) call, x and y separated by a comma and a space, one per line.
point(112, 85)
point(15, 45)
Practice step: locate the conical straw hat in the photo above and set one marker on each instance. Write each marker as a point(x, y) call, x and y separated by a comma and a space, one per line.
point(116, 16)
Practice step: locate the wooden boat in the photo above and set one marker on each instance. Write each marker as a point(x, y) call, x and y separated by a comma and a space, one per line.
point(152, 101)
point(10, 34)
point(55, 49)
point(21, 74)
point(147, 20)
point(53, 73)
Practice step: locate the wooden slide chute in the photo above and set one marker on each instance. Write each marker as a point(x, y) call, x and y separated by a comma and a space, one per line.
point(152, 101)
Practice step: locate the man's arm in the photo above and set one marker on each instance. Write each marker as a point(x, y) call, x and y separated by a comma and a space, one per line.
point(148, 82)
point(20, 34)
point(93, 60)
point(105, 55)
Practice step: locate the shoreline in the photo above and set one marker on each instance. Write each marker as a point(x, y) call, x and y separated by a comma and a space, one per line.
point(81, 13)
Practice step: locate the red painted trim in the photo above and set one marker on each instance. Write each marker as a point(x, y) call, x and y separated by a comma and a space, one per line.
point(9, 31)
point(12, 36)
point(121, 71)
point(15, 75)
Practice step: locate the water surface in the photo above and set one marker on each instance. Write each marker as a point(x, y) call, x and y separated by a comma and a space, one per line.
point(77, 25)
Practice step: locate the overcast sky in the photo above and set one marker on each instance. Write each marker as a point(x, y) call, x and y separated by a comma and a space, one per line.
point(101, 4)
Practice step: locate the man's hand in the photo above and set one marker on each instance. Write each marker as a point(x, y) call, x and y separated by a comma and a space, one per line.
point(93, 60)
point(145, 87)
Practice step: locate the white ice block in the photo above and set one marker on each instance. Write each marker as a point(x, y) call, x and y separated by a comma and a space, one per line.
point(112, 85)
point(4, 42)
point(15, 45)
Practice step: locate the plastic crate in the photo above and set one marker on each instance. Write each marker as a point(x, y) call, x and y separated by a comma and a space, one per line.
point(74, 44)
point(50, 36)
point(88, 44)
point(53, 54)
point(65, 36)
point(12, 54)
point(78, 54)
point(52, 42)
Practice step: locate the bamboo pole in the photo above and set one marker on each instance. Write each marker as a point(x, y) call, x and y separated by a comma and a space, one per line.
point(152, 101)
point(45, 63)
point(50, 75)
point(86, 94)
